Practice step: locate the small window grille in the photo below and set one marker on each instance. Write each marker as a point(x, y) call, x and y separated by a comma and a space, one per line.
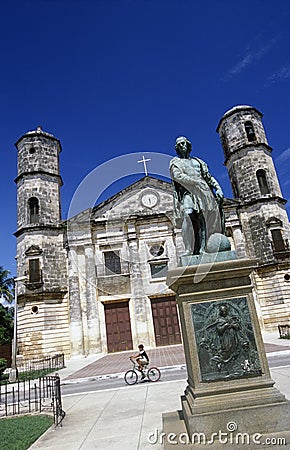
point(158, 270)
point(112, 262)
point(278, 241)
point(34, 271)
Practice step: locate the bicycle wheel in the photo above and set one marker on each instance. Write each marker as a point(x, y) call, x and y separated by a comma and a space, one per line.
point(131, 377)
point(154, 374)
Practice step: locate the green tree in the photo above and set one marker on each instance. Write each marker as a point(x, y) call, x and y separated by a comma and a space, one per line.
point(6, 285)
point(6, 325)
point(6, 314)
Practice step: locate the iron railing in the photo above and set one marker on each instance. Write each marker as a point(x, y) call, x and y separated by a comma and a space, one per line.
point(49, 363)
point(24, 397)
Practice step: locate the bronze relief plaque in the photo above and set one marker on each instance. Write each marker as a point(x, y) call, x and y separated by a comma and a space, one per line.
point(225, 340)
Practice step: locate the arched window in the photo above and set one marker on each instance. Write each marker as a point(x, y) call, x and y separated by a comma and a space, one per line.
point(33, 206)
point(278, 241)
point(250, 131)
point(262, 180)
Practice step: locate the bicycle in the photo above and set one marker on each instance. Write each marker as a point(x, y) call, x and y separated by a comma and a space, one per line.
point(152, 373)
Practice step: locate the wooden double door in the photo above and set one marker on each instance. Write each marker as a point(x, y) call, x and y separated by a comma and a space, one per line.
point(165, 320)
point(118, 327)
point(118, 324)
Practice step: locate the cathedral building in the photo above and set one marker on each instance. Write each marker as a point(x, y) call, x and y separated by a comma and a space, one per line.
point(97, 282)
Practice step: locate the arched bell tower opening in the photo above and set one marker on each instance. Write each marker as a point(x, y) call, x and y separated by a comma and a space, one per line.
point(33, 210)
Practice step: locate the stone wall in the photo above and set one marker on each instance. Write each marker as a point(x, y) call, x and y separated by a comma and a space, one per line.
point(46, 189)
point(232, 128)
point(273, 295)
point(242, 172)
point(38, 151)
point(48, 246)
point(257, 235)
point(43, 325)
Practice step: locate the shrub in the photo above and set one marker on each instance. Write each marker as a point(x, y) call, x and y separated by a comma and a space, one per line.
point(3, 365)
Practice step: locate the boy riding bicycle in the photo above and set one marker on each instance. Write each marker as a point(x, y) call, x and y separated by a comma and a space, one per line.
point(142, 359)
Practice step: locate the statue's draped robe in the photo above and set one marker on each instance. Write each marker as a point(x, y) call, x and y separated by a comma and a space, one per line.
point(188, 181)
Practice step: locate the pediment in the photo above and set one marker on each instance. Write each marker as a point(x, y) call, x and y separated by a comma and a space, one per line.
point(273, 222)
point(148, 196)
point(33, 250)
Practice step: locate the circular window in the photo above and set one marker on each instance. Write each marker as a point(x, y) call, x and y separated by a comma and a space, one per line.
point(34, 309)
point(287, 277)
point(157, 250)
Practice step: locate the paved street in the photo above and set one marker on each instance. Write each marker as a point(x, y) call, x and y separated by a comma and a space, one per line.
point(177, 373)
point(161, 357)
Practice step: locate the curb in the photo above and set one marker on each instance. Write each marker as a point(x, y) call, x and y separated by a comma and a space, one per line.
point(64, 381)
point(111, 376)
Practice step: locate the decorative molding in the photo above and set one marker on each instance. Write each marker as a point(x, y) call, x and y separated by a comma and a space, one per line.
point(33, 250)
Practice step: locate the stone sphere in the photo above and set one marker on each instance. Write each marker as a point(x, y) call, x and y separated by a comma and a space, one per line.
point(218, 243)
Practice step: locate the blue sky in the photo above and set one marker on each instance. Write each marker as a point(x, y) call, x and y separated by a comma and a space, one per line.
point(115, 77)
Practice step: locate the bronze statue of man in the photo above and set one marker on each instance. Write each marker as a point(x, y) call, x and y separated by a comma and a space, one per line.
point(197, 199)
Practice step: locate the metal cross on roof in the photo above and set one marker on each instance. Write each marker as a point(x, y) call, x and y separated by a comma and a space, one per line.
point(143, 160)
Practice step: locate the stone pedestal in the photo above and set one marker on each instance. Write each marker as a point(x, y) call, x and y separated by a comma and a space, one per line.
point(230, 389)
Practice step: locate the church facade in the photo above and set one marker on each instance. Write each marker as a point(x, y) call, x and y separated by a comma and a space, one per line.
point(97, 283)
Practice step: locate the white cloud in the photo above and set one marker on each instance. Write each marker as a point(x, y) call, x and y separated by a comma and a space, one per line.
point(282, 163)
point(252, 56)
point(279, 75)
point(284, 156)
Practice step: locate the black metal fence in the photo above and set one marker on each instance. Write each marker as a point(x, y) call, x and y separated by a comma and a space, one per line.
point(49, 363)
point(23, 397)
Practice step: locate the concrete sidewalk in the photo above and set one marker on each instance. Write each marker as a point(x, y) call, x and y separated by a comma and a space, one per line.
point(129, 418)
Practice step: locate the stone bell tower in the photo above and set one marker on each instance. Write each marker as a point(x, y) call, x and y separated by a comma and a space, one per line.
point(261, 207)
point(42, 299)
point(255, 183)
